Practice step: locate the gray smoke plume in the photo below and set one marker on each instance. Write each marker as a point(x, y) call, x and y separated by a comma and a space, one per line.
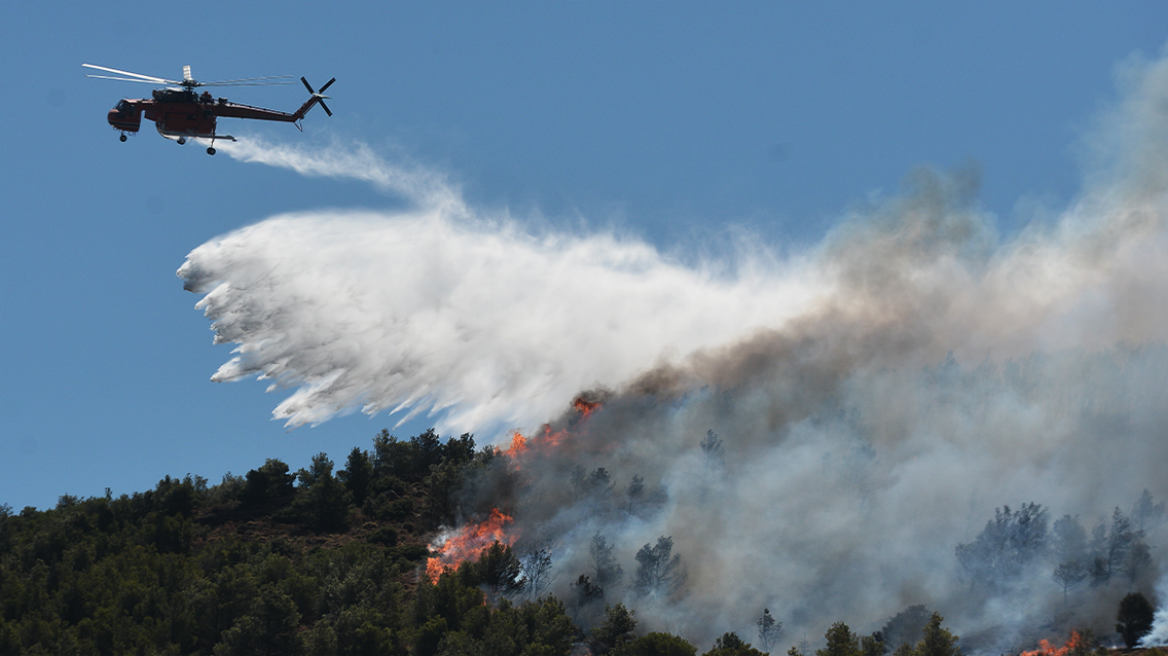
point(816, 434)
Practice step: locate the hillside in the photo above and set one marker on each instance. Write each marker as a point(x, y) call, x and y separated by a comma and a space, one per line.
point(326, 561)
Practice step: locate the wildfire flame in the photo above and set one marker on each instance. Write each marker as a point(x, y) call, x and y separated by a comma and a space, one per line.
point(472, 538)
point(468, 542)
point(518, 445)
point(1076, 644)
point(548, 438)
point(585, 408)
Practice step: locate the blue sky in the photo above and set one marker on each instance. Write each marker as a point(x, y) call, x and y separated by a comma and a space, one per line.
point(675, 123)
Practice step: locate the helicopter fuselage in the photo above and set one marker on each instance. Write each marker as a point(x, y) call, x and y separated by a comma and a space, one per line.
point(180, 113)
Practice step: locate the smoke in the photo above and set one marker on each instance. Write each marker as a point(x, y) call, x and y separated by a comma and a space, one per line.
point(1158, 636)
point(877, 396)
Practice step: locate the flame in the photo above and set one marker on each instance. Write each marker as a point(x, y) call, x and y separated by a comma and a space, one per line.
point(468, 542)
point(518, 445)
point(547, 438)
point(585, 408)
point(1076, 644)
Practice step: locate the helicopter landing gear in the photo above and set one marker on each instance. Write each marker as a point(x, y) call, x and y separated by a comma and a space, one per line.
point(210, 151)
point(182, 140)
point(122, 138)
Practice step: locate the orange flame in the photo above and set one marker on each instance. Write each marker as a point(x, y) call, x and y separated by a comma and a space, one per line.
point(547, 439)
point(1076, 643)
point(585, 408)
point(468, 542)
point(518, 445)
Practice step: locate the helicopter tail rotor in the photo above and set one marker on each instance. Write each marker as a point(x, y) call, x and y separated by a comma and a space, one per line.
point(317, 97)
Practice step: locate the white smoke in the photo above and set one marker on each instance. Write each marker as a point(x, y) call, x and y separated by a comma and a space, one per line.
point(1158, 636)
point(858, 455)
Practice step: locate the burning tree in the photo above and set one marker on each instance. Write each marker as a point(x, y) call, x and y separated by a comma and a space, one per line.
point(1079, 644)
point(468, 542)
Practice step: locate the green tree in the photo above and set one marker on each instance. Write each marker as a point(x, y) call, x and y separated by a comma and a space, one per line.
point(321, 500)
point(660, 644)
point(429, 636)
point(321, 640)
point(443, 483)
point(549, 627)
point(937, 641)
point(616, 629)
point(873, 645)
point(497, 568)
point(1134, 619)
point(840, 642)
point(905, 627)
point(357, 475)
point(732, 645)
point(460, 643)
point(268, 629)
point(460, 450)
point(452, 599)
point(270, 482)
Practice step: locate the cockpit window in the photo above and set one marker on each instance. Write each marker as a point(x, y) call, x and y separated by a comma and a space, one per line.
point(124, 107)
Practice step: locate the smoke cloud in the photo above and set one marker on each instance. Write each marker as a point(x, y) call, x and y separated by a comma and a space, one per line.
point(877, 396)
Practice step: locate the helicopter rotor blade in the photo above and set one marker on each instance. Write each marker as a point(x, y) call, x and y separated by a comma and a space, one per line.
point(149, 78)
point(122, 79)
point(307, 86)
point(243, 84)
point(251, 79)
point(326, 85)
point(324, 107)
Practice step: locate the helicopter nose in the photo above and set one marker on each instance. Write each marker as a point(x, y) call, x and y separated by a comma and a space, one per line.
point(124, 121)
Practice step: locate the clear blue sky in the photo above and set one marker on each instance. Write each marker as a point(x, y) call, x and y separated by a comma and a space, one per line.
point(672, 121)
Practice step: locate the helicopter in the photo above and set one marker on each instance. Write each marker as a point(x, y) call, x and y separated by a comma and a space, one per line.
point(181, 113)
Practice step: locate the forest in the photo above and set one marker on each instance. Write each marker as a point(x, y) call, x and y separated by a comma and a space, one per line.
point(342, 561)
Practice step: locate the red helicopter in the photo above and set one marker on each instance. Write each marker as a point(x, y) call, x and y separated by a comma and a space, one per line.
point(180, 113)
